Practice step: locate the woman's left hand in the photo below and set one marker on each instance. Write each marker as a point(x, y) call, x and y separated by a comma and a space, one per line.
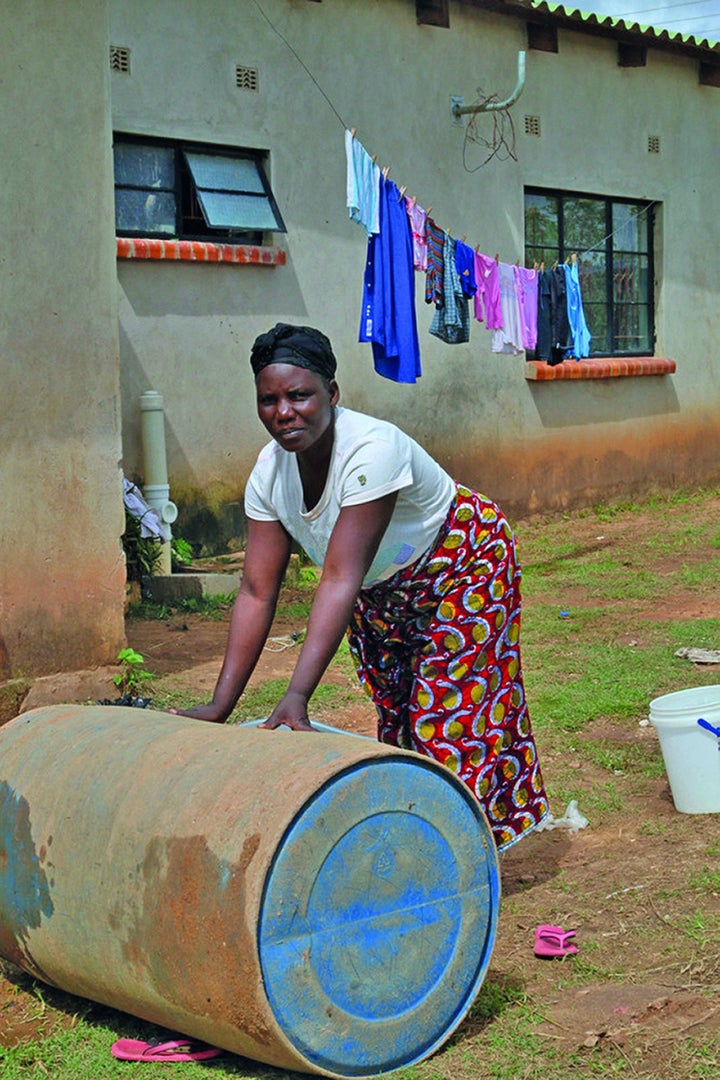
point(291, 711)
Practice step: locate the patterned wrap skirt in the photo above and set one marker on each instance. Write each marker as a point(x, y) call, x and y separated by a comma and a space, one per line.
point(437, 646)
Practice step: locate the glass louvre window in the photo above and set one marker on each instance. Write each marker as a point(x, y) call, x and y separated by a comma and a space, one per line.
point(232, 193)
point(188, 191)
point(612, 239)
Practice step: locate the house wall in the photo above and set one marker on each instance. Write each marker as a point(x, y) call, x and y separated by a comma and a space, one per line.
point(61, 566)
point(186, 329)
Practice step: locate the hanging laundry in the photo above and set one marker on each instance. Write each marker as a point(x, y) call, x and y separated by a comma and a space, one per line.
point(526, 281)
point(487, 298)
point(434, 273)
point(508, 339)
point(451, 321)
point(576, 316)
point(418, 226)
point(543, 349)
point(388, 317)
point(465, 266)
point(362, 185)
point(562, 341)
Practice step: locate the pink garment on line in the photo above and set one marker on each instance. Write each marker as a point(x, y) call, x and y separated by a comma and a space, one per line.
point(527, 289)
point(487, 298)
point(508, 339)
point(418, 224)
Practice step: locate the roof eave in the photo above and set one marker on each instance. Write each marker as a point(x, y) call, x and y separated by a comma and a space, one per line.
point(570, 18)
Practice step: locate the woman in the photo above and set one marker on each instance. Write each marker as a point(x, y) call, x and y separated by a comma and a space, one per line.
point(421, 569)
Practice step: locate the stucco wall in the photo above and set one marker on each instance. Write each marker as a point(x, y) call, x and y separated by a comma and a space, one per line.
point(186, 329)
point(61, 565)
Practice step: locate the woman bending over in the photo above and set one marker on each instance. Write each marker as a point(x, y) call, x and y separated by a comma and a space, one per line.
point(421, 569)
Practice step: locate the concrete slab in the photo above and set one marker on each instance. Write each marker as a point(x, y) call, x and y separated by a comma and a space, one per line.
point(166, 588)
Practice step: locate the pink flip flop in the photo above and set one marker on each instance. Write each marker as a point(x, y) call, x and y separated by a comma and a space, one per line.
point(552, 941)
point(175, 1050)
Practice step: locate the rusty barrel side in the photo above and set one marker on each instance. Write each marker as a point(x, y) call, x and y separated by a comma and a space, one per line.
point(317, 902)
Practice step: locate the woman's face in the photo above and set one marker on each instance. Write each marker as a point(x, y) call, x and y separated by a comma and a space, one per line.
point(295, 405)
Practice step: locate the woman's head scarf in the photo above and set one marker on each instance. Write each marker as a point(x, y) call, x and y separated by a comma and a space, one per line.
point(302, 346)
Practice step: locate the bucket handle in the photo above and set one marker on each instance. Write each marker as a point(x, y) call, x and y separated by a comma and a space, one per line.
point(709, 727)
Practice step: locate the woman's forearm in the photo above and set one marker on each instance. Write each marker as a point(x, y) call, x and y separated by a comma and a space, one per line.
point(329, 618)
point(352, 547)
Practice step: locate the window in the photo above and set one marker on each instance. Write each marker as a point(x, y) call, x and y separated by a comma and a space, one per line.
point(190, 191)
point(613, 240)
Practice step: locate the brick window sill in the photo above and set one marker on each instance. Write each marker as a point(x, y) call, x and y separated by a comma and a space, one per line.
point(198, 251)
point(602, 368)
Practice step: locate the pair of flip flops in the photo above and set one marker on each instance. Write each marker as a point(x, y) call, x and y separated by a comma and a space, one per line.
point(553, 941)
point(174, 1050)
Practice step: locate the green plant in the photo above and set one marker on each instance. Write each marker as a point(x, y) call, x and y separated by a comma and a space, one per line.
point(309, 576)
point(132, 676)
point(706, 880)
point(142, 553)
point(215, 606)
point(181, 552)
point(211, 607)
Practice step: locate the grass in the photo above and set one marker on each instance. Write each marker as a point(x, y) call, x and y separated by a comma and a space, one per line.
point(212, 607)
point(599, 642)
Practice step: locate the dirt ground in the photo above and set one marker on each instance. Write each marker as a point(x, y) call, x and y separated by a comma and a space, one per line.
point(648, 945)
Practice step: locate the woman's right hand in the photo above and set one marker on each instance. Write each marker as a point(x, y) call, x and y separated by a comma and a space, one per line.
point(210, 712)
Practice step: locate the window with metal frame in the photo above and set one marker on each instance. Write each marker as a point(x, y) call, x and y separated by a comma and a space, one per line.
point(613, 241)
point(190, 191)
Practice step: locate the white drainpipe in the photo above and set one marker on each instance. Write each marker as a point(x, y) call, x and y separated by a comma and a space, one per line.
point(156, 487)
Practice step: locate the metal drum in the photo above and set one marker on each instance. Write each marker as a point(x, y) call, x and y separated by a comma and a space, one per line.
point(319, 902)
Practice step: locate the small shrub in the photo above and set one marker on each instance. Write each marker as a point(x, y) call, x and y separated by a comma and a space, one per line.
point(181, 552)
point(130, 679)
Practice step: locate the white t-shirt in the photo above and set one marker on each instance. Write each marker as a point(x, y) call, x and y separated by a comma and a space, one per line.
point(370, 458)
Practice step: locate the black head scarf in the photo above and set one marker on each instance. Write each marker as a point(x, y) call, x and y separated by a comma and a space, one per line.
point(302, 346)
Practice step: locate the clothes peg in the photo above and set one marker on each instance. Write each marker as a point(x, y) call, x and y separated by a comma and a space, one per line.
point(497, 258)
point(401, 196)
point(353, 131)
point(374, 159)
point(414, 200)
point(574, 257)
point(517, 262)
point(463, 239)
point(386, 172)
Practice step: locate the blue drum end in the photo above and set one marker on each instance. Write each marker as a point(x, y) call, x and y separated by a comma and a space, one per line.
point(379, 916)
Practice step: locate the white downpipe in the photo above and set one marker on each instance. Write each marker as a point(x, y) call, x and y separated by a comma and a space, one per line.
point(156, 488)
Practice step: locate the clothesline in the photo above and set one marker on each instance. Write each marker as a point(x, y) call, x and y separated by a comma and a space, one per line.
point(402, 190)
point(574, 257)
point(508, 299)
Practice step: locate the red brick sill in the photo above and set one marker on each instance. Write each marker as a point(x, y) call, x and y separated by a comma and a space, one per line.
point(602, 368)
point(198, 251)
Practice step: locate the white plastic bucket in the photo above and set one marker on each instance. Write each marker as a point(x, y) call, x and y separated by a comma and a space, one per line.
point(691, 753)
